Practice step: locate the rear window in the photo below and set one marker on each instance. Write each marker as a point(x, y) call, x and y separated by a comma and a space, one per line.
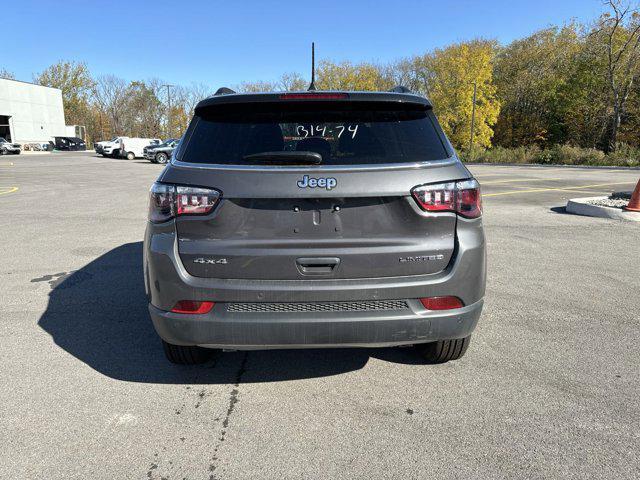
point(341, 136)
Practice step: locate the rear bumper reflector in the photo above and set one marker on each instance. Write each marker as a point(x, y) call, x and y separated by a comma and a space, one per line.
point(192, 307)
point(441, 303)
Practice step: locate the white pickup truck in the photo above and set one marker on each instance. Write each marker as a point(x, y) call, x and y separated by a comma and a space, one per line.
point(129, 147)
point(110, 147)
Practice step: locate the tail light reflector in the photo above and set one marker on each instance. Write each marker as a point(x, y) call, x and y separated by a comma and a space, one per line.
point(192, 307)
point(461, 197)
point(169, 201)
point(441, 303)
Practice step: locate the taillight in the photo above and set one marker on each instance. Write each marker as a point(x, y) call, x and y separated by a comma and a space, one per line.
point(441, 303)
point(192, 307)
point(162, 200)
point(461, 197)
point(468, 199)
point(195, 201)
point(169, 201)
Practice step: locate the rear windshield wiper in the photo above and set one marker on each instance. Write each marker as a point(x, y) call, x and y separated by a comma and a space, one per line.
point(286, 158)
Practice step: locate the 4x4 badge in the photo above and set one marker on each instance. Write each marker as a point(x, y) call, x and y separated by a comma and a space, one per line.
point(310, 182)
point(211, 261)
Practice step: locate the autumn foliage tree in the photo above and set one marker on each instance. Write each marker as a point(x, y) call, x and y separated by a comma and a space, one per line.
point(535, 80)
point(350, 76)
point(453, 73)
point(75, 81)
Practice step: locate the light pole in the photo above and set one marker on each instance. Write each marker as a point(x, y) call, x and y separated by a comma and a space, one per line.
point(473, 117)
point(168, 87)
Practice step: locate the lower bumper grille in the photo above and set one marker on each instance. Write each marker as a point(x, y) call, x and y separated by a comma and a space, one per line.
point(363, 306)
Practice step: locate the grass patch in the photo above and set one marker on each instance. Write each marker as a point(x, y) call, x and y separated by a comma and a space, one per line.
point(624, 156)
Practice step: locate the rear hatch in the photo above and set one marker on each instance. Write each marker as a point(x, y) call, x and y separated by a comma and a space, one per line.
point(315, 189)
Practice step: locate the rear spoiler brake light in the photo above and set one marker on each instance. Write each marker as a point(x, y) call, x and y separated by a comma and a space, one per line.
point(314, 96)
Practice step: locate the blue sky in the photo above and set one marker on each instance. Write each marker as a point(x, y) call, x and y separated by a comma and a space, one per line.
point(225, 43)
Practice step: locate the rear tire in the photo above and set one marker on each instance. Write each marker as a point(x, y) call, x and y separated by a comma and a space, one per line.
point(131, 156)
point(161, 158)
point(444, 350)
point(186, 354)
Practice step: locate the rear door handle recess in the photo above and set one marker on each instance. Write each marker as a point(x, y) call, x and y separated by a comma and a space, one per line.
point(317, 265)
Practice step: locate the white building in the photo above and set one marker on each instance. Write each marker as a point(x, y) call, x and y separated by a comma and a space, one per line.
point(29, 112)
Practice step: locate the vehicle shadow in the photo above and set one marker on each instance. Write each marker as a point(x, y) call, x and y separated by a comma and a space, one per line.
point(99, 315)
point(562, 209)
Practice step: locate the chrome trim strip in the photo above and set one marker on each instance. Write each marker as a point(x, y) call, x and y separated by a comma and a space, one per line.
point(323, 168)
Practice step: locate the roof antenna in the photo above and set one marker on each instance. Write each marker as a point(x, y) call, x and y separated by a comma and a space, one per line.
point(313, 67)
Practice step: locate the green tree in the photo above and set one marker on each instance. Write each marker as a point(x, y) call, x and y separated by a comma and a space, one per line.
point(143, 109)
point(74, 80)
point(531, 77)
point(580, 108)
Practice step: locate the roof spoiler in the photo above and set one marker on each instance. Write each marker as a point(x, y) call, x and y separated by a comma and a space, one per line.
point(224, 91)
point(224, 98)
point(400, 89)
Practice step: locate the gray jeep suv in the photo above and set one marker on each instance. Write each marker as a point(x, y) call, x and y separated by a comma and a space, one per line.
point(314, 219)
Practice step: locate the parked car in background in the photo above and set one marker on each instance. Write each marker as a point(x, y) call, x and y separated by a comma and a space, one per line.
point(9, 148)
point(112, 147)
point(129, 147)
point(69, 143)
point(77, 144)
point(134, 147)
point(161, 153)
point(99, 146)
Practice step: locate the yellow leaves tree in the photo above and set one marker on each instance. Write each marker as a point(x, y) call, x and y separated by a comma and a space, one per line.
point(450, 84)
point(349, 76)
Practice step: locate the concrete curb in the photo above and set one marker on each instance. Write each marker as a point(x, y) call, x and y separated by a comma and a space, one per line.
point(579, 206)
point(51, 152)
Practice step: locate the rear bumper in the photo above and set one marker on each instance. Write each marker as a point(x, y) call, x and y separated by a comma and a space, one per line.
point(167, 282)
point(247, 331)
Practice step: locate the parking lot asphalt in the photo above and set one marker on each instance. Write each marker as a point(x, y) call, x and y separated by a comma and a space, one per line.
point(549, 387)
